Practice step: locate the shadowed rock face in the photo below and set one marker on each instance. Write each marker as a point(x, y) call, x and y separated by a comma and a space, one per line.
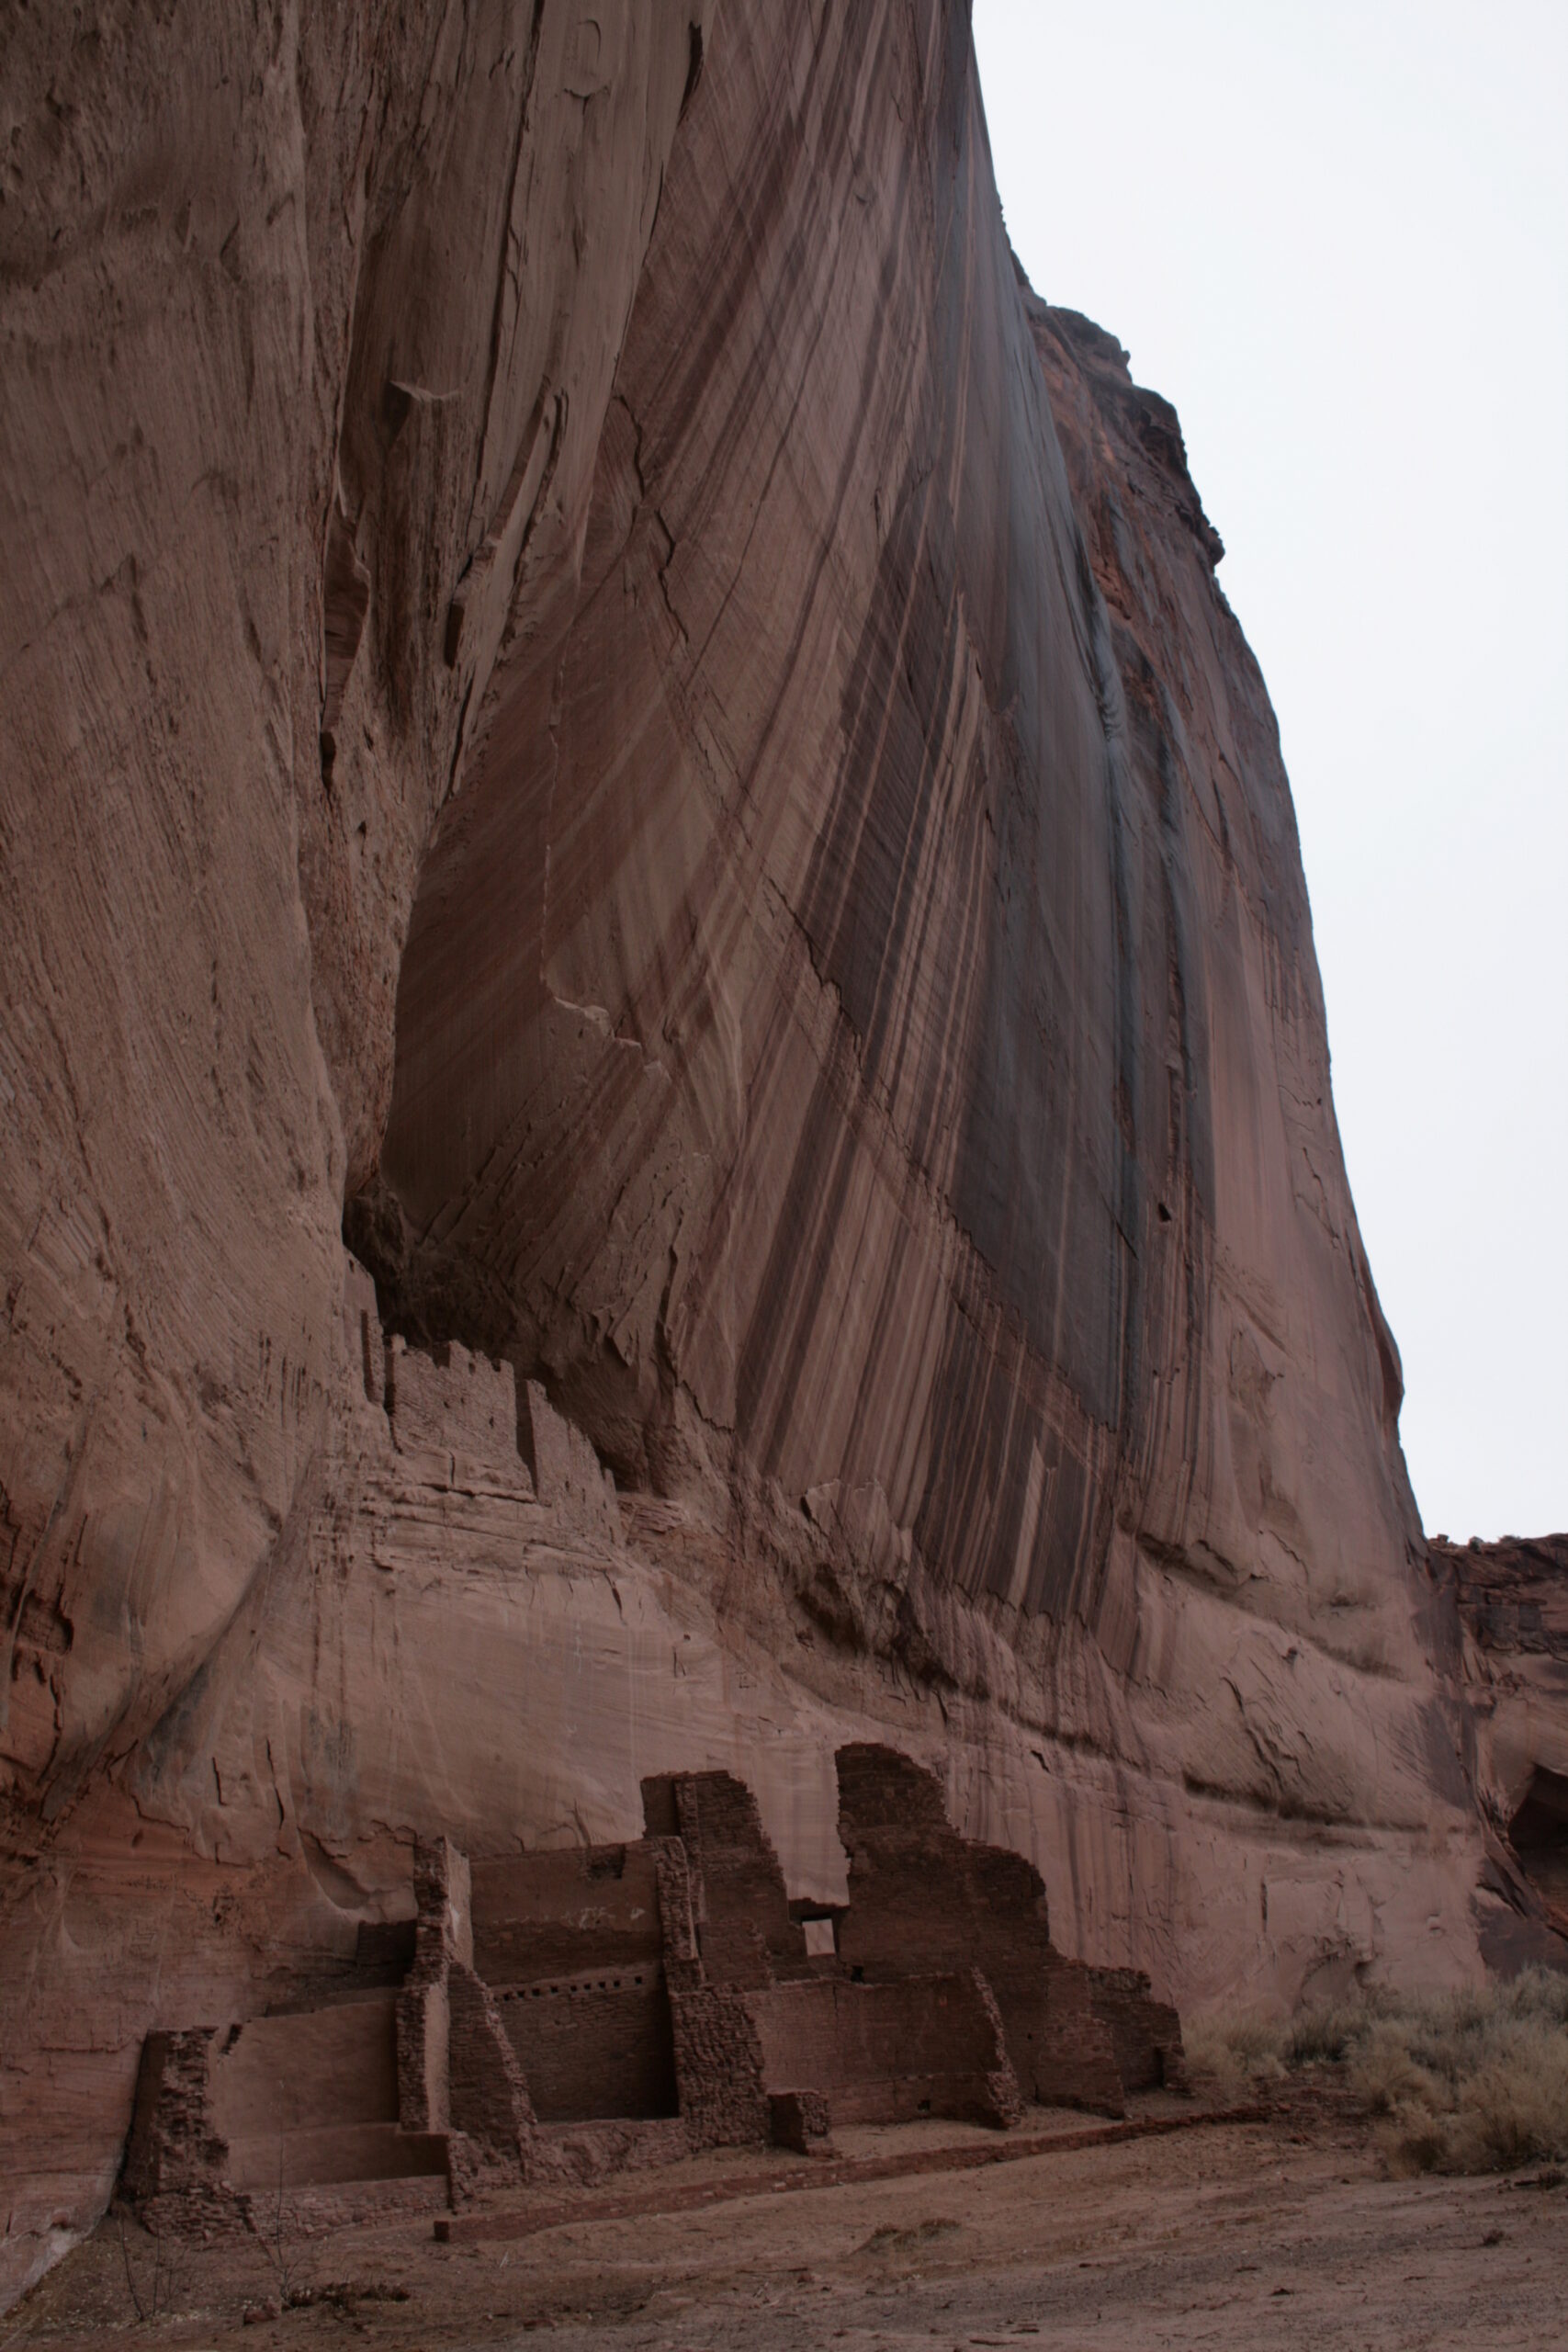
point(590, 681)
point(1513, 1605)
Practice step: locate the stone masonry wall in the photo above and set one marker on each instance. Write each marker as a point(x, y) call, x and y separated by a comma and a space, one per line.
point(889, 2053)
point(745, 1931)
point(568, 2012)
point(923, 1898)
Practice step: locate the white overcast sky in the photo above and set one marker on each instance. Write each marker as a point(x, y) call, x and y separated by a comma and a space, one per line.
point(1335, 232)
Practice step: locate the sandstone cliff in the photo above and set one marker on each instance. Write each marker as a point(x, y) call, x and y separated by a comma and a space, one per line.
point(596, 698)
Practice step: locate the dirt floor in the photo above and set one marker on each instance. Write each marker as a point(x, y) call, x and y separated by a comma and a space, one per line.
point(1284, 2233)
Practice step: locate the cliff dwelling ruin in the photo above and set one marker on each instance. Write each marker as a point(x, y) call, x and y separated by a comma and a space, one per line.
point(567, 2013)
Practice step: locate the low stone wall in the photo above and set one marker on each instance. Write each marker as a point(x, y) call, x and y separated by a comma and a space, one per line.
point(278, 2103)
point(719, 2068)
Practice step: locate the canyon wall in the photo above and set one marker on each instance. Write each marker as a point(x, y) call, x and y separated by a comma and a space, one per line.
point(599, 700)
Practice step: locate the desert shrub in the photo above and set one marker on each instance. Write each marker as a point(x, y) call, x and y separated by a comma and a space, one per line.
point(1386, 2073)
point(1514, 2108)
point(1325, 2033)
point(1415, 2141)
point(1494, 2087)
point(1471, 2081)
point(1234, 2052)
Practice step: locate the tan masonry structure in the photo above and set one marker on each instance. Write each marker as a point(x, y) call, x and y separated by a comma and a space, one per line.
point(568, 2015)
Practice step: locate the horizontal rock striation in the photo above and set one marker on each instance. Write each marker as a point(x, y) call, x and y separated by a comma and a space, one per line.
point(597, 699)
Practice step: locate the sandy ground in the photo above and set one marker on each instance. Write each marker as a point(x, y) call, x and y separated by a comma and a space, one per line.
point(1285, 2234)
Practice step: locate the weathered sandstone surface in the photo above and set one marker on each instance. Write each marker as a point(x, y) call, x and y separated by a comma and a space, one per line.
point(595, 697)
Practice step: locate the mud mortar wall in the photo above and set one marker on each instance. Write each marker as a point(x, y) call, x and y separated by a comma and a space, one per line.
point(594, 2046)
point(884, 2054)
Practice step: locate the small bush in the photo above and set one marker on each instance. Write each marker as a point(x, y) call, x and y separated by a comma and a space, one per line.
point(1384, 2073)
point(1235, 2052)
point(1415, 2141)
point(1323, 2033)
point(1476, 2081)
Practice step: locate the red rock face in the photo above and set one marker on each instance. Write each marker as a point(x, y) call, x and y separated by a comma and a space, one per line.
point(587, 679)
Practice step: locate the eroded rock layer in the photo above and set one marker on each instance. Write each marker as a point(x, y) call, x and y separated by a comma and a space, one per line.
point(595, 696)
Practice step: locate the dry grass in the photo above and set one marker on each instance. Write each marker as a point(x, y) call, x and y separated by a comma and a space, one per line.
point(1463, 2082)
point(1232, 2054)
